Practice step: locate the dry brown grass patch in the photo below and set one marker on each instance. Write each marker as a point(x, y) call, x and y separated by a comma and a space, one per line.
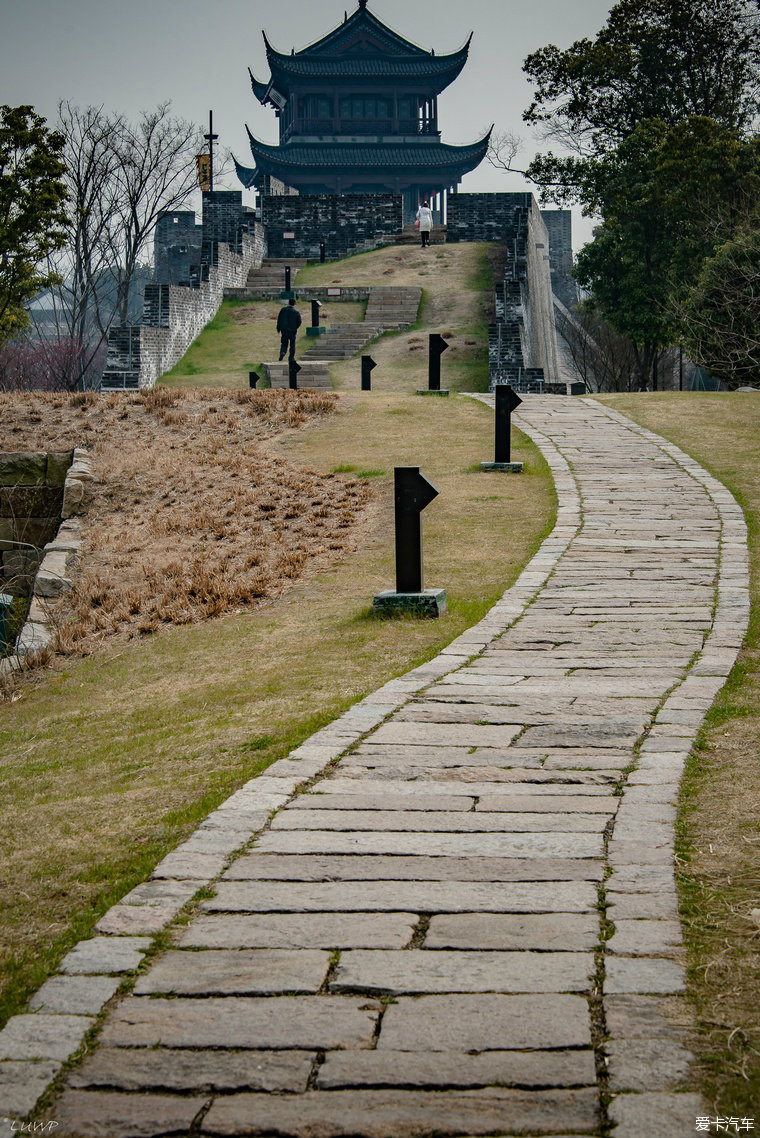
point(192, 517)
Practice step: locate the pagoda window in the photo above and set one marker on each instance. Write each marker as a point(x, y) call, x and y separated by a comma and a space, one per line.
point(362, 108)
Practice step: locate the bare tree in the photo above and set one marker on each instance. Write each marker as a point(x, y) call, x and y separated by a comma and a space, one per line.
point(605, 360)
point(155, 172)
point(119, 177)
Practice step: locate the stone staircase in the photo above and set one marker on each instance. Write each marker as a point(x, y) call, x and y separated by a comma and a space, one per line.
point(271, 274)
point(313, 373)
point(388, 309)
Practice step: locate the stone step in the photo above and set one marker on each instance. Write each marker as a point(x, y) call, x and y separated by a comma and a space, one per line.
point(313, 373)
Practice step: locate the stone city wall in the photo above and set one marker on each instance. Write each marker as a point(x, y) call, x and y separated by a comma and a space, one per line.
point(174, 315)
point(341, 222)
point(523, 342)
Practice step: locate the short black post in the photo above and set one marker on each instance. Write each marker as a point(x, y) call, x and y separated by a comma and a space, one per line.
point(293, 370)
point(315, 307)
point(436, 347)
point(287, 278)
point(368, 365)
point(412, 493)
point(322, 252)
point(506, 401)
point(253, 378)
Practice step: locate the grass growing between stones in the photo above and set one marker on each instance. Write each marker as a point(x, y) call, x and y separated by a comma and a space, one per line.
point(719, 820)
point(108, 762)
point(241, 336)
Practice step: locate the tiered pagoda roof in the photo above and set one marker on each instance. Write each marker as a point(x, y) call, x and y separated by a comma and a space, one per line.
point(361, 63)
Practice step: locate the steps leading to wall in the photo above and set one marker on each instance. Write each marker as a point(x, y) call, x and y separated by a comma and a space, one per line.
point(313, 373)
point(388, 309)
point(271, 272)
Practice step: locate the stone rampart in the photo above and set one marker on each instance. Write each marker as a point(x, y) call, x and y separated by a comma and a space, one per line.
point(340, 222)
point(523, 341)
point(173, 316)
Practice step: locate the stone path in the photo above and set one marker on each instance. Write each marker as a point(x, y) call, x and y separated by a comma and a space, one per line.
point(468, 925)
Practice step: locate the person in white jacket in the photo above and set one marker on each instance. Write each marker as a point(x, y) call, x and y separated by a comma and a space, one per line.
point(425, 218)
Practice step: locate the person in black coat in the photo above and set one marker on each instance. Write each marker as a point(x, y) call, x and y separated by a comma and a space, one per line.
point(288, 323)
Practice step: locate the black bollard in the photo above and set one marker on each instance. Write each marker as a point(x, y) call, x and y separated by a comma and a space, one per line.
point(368, 365)
point(506, 401)
point(287, 278)
point(322, 252)
point(436, 347)
point(293, 370)
point(315, 307)
point(253, 378)
point(412, 493)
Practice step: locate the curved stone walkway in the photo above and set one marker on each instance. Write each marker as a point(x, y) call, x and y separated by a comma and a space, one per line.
point(468, 926)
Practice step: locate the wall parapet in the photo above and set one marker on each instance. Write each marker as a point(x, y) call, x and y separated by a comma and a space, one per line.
point(173, 315)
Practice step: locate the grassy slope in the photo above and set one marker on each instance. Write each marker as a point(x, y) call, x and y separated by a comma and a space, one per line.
point(456, 280)
point(719, 827)
point(122, 754)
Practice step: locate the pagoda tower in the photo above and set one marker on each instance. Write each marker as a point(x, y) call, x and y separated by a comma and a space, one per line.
point(358, 113)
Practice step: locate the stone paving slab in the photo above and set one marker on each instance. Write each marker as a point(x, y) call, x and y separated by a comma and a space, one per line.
point(485, 1023)
point(74, 995)
point(43, 1036)
point(300, 930)
point(260, 972)
point(105, 954)
point(421, 971)
point(355, 867)
point(22, 1083)
point(529, 1069)
point(394, 896)
point(84, 1114)
point(370, 801)
point(436, 821)
point(298, 1022)
point(475, 845)
point(401, 1114)
point(200, 1072)
point(538, 931)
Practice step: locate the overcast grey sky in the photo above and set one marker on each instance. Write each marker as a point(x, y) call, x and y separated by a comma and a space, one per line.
point(131, 56)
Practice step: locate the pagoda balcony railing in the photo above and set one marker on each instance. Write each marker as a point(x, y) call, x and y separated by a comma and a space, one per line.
point(359, 127)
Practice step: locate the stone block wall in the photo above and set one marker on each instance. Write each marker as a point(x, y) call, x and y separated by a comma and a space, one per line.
point(177, 247)
point(523, 341)
point(485, 217)
point(174, 315)
point(559, 226)
point(341, 222)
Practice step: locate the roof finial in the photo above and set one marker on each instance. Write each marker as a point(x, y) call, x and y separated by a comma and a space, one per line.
point(362, 3)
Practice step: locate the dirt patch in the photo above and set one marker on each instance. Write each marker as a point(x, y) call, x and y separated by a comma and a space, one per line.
point(193, 517)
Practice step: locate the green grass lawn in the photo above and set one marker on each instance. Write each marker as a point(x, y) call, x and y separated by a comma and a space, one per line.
point(241, 336)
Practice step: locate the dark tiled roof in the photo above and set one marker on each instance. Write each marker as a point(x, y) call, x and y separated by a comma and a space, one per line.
point(356, 155)
point(440, 67)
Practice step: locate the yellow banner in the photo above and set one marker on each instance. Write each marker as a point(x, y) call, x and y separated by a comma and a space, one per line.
point(203, 162)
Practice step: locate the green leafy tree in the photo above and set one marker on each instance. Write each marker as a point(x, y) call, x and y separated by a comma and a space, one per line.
point(32, 214)
point(721, 317)
point(668, 196)
point(653, 59)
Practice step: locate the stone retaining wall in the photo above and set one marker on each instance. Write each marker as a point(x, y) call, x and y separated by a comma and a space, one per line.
point(60, 484)
point(31, 504)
